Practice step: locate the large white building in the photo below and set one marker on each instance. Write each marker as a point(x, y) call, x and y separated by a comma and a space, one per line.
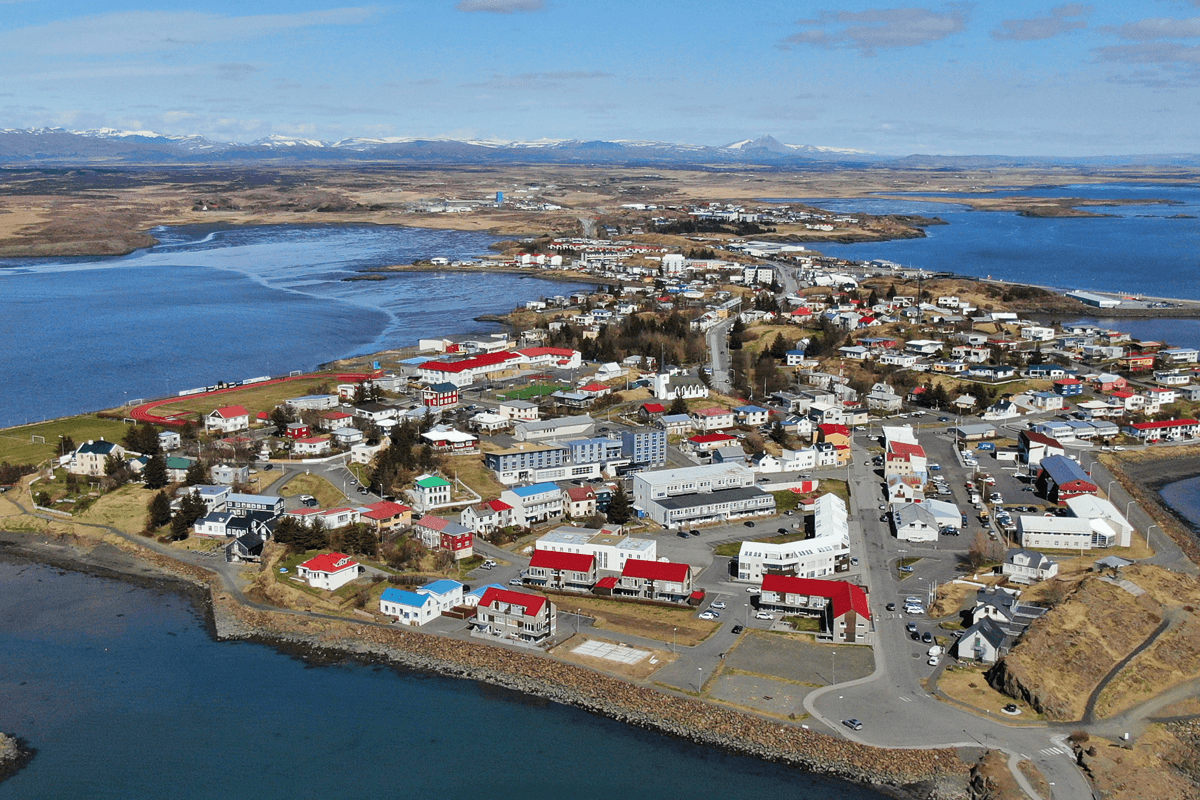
point(1109, 526)
point(608, 546)
point(1054, 533)
point(824, 554)
point(707, 492)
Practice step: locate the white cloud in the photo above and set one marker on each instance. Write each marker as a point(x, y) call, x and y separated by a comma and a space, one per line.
point(881, 28)
point(155, 31)
point(1062, 19)
point(501, 6)
point(1160, 28)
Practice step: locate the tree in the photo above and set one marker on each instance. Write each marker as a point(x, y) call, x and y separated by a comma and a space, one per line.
point(778, 434)
point(780, 347)
point(281, 418)
point(142, 438)
point(180, 530)
point(678, 406)
point(977, 554)
point(67, 446)
point(620, 508)
point(873, 299)
point(735, 334)
point(891, 292)
point(197, 474)
point(155, 472)
point(158, 512)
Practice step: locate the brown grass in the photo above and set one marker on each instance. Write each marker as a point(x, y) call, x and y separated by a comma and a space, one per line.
point(326, 494)
point(968, 686)
point(653, 622)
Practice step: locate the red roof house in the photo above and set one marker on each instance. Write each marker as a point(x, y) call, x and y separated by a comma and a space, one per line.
point(845, 612)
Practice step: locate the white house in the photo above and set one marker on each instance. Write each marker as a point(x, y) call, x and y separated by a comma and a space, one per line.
point(521, 618)
point(421, 605)
point(915, 523)
point(227, 419)
point(1026, 566)
point(827, 552)
point(1054, 533)
point(328, 571)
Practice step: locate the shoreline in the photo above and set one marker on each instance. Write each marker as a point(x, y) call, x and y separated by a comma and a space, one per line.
point(327, 640)
point(15, 755)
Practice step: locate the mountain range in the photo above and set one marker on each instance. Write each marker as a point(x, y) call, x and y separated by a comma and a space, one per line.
point(58, 146)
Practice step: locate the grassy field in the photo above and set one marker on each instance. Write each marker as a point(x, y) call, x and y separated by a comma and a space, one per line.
point(472, 472)
point(255, 398)
point(17, 446)
point(529, 392)
point(653, 622)
point(124, 509)
point(967, 685)
point(327, 495)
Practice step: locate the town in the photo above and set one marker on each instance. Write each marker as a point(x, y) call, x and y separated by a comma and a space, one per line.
point(701, 470)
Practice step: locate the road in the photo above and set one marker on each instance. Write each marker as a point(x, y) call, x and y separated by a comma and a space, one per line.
point(718, 348)
point(892, 702)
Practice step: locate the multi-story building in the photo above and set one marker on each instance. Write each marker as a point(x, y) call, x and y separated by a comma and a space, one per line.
point(535, 503)
point(709, 492)
point(521, 618)
point(608, 546)
point(437, 533)
point(824, 554)
point(90, 457)
point(570, 572)
point(645, 446)
point(431, 491)
point(842, 607)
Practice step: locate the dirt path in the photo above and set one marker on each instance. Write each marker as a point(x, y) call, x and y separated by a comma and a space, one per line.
point(1173, 618)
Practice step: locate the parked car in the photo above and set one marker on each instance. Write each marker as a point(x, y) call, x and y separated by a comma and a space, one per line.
point(516, 582)
point(719, 605)
point(753, 590)
point(748, 524)
point(911, 627)
point(853, 724)
point(708, 615)
point(905, 570)
point(933, 661)
point(682, 534)
point(890, 607)
point(926, 637)
point(854, 561)
point(764, 615)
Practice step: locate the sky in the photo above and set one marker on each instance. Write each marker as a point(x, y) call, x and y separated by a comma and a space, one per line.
point(959, 78)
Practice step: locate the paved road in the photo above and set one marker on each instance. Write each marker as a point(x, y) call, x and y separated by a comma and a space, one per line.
point(718, 348)
point(892, 702)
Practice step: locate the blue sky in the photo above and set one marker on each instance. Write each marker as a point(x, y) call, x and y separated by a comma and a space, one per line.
point(1019, 78)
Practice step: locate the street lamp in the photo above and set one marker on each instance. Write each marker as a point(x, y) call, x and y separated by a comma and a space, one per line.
point(674, 647)
point(833, 665)
point(1108, 489)
point(699, 679)
point(1160, 530)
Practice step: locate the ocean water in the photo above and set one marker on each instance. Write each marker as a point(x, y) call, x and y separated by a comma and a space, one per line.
point(1184, 497)
point(205, 305)
point(126, 696)
point(1139, 250)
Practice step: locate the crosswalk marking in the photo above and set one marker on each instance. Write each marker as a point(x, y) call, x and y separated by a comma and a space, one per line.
point(1051, 751)
point(906, 699)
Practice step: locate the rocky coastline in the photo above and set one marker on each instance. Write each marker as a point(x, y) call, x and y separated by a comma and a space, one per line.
point(908, 774)
point(15, 754)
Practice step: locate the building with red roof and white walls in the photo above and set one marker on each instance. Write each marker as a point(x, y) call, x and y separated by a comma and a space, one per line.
point(517, 617)
point(227, 419)
point(655, 580)
point(842, 607)
point(487, 517)
point(328, 571)
point(571, 572)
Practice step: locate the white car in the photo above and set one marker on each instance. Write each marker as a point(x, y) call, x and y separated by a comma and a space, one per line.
point(934, 661)
point(764, 615)
point(708, 615)
point(753, 590)
point(719, 605)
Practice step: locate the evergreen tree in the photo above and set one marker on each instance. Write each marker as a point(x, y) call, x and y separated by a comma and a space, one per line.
point(197, 474)
point(155, 472)
point(778, 434)
point(67, 445)
point(779, 347)
point(891, 292)
point(620, 508)
point(159, 511)
point(678, 406)
point(179, 528)
point(872, 299)
point(281, 418)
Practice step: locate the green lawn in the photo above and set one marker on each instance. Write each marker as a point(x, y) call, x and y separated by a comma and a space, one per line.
point(537, 390)
point(17, 445)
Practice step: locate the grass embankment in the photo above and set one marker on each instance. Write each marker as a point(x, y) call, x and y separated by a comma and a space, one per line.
point(967, 685)
point(18, 447)
point(650, 621)
point(326, 494)
point(471, 470)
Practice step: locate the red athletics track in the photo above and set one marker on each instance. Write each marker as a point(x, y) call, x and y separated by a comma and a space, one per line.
point(142, 412)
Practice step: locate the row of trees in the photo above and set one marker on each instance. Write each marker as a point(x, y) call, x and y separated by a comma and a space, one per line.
point(670, 339)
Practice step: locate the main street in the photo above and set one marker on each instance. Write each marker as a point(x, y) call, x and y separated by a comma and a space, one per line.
point(892, 703)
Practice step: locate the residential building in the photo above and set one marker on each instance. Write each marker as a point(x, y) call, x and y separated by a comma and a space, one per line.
point(1026, 566)
point(312, 446)
point(751, 415)
point(421, 605)
point(241, 504)
point(328, 571)
point(535, 503)
point(387, 516)
point(654, 580)
point(983, 642)
point(842, 607)
point(517, 617)
point(1034, 447)
point(440, 395)
point(712, 419)
point(692, 494)
point(336, 420)
point(227, 419)
point(824, 554)
point(437, 533)
point(90, 457)
point(608, 546)
point(521, 410)
point(1068, 387)
point(1169, 429)
point(561, 571)
point(466, 371)
point(674, 424)
point(644, 446)
point(1061, 478)
point(169, 440)
point(915, 523)
point(560, 428)
point(431, 491)
point(487, 517)
point(446, 439)
point(581, 501)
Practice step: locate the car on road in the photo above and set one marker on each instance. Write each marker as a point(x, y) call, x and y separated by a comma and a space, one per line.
point(737, 629)
point(853, 724)
point(748, 524)
point(1119, 448)
point(362, 490)
point(719, 605)
point(764, 615)
point(890, 607)
point(882, 507)
point(682, 534)
point(933, 661)
point(516, 582)
point(927, 637)
point(935, 467)
point(753, 590)
point(709, 615)
point(784, 531)
point(943, 419)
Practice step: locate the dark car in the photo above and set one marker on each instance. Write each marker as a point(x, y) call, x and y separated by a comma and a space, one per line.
point(943, 419)
point(783, 531)
point(1011, 708)
point(916, 637)
point(695, 533)
point(890, 607)
point(748, 524)
point(737, 629)
point(682, 534)
point(927, 637)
